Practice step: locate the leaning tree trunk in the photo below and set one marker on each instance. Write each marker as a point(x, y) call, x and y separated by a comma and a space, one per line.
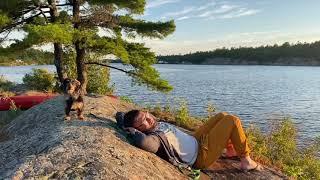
point(57, 46)
point(81, 67)
point(80, 51)
point(58, 61)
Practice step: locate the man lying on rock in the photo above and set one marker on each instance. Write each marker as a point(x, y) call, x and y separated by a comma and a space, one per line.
point(199, 150)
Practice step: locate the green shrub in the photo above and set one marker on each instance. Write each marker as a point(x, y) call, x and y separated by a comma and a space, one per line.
point(257, 142)
point(182, 114)
point(282, 141)
point(7, 116)
point(177, 113)
point(40, 79)
point(69, 64)
point(278, 148)
point(126, 99)
point(98, 80)
point(211, 110)
point(5, 85)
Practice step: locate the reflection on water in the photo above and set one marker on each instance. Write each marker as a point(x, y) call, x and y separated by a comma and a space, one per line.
point(257, 94)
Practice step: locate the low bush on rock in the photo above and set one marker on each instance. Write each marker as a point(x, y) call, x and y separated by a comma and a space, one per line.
point(5, 85)
point(41, 80)
point(279, 148)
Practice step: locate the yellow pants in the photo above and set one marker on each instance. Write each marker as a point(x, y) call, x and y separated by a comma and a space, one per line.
point(214, 135)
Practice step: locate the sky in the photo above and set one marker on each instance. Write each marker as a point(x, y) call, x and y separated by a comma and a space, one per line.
point(203, 25)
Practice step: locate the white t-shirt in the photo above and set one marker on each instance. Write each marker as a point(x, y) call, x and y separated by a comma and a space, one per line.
point(184, 144)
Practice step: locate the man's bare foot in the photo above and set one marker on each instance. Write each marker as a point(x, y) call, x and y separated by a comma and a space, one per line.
point(248, 164)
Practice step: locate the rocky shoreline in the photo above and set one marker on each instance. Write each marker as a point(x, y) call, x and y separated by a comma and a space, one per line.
point(39, 144)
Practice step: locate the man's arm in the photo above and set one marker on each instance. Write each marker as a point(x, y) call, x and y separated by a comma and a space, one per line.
point(149, 143)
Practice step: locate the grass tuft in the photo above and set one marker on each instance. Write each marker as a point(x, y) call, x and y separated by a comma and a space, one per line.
point(7, 116)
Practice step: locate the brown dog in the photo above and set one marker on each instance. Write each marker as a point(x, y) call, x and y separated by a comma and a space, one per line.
point(74, 97)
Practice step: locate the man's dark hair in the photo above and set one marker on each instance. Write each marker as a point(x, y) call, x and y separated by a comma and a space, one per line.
point(129, 118)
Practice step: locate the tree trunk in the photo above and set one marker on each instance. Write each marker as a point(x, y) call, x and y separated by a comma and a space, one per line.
point(81, 67)
point(80, 51)
point(58, 61)
point(57, 46)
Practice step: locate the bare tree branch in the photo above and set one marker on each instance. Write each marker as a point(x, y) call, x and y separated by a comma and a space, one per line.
point(44, 15)
point(112, 67)
point(66, 4)
point(5, 37)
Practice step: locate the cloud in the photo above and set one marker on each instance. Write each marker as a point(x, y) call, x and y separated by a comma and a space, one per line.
point(255, 35)
point(205, 14)
point(157, 3)
point(220, 10)
point(176, 14)
point(182, 18)
point(206, 6)
point(245, 39)
point(225, 8)
point(240, 13)
point(212, 10)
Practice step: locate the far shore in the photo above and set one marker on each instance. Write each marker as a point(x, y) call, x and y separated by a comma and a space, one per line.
point(202, 64)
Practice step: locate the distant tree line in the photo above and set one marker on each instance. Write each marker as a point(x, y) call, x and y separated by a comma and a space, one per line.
point(26, 57)
point(285, 54)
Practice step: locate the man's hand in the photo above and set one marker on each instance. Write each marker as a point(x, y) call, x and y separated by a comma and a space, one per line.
point(130, 130)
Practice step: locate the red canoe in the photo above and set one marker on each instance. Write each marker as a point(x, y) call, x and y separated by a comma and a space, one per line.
point(23, 102)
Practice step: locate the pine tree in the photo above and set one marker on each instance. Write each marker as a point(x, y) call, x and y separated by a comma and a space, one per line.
point(78, 30)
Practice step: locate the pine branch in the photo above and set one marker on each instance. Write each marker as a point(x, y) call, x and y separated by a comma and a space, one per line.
point(112, 67)
point(146, 28)
point(29, 19)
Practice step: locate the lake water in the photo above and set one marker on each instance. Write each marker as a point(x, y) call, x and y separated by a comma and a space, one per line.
point(258, 94)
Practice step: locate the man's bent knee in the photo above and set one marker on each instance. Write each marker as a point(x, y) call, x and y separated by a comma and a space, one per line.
point(235, 120)
point(220, 115)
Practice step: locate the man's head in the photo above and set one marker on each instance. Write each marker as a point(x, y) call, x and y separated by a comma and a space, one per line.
point(140, 120)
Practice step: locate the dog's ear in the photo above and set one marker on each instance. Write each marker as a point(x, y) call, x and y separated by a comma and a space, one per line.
point(64, 83)
point(78, 85)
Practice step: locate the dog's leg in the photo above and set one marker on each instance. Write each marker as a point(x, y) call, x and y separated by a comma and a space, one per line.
point(68, 109)
point(80, 113)
point(80, 107)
